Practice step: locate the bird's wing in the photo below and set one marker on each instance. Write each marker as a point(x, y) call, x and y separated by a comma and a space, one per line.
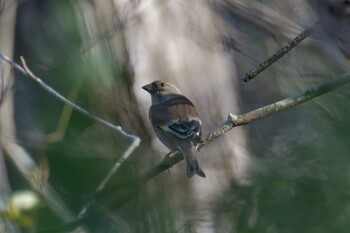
point(177, 116)
point(183, 129)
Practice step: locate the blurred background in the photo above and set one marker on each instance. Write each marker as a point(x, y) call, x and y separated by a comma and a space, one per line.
point(287, 173)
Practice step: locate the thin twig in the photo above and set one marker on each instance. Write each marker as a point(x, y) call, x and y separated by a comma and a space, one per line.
point(280, 53)
point(27, 72)
point(135, 141)
point(109, 175)
point(49, 89)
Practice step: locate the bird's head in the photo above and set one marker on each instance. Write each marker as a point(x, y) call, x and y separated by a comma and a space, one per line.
point(161, 88)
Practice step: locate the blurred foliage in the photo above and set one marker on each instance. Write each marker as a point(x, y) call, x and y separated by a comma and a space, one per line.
point(301, 182)
point(23, 207)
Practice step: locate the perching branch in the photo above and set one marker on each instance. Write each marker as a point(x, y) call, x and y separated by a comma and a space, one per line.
point(280, 53)
point(238, 120)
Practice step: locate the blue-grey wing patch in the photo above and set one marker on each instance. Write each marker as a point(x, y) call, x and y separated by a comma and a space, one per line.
point(186, 129)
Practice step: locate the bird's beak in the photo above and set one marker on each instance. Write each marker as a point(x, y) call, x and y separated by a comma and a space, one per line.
point(147, 88)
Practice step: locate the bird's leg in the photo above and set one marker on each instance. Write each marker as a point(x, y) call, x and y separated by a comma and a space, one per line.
point(196, 141)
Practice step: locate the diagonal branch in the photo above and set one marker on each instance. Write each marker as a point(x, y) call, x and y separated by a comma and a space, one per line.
point(238, 120)
point(30, 74)
point(279, 54)
point(27, 72)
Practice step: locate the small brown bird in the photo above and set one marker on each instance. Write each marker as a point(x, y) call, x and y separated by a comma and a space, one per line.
point(176, 122)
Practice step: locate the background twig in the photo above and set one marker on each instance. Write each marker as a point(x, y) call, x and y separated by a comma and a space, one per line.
point(280, 53)
point(26, 71)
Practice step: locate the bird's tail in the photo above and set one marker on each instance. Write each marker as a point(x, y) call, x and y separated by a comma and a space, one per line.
point(192, 165)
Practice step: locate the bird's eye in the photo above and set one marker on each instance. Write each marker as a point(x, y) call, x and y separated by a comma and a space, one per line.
point(162, 84)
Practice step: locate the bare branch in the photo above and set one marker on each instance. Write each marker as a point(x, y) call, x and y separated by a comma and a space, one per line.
point(118, 129)
point(109, 175)
point(27, 72)
point(238, 120)
point(135, 141)
point(280, 53)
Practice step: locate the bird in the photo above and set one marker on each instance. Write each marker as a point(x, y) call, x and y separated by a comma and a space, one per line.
point(176, 122)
